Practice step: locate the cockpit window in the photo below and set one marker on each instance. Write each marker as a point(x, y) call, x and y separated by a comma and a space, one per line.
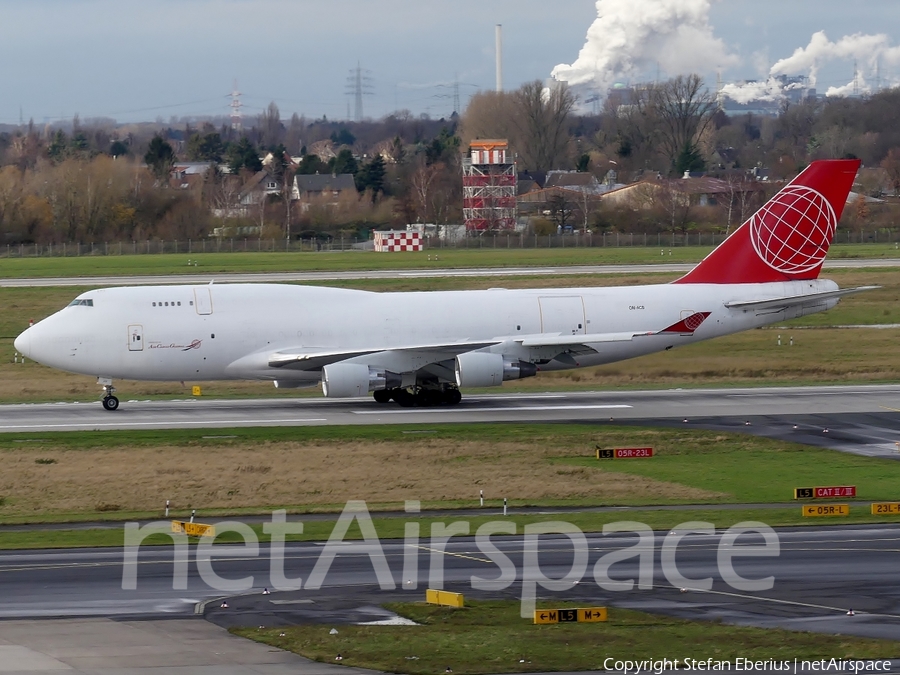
point(82, 302)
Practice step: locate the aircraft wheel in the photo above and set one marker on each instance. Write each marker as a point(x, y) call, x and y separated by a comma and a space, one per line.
point(110, 402)
point(403, 398)
point(382, 395)
point(428, 398)
point(453, 397)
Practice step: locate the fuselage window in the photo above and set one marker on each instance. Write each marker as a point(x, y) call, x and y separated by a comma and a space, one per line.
point(179, 303)
point(154, 304)
point(167, 304)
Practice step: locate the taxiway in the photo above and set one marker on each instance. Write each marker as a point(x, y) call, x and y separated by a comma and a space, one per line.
point(204, 277)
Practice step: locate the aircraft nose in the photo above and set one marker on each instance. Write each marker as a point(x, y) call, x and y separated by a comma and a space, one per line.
point(23, 343)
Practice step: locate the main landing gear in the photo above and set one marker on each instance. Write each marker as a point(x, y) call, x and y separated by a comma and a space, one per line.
point(420, 397)
point(110, 402)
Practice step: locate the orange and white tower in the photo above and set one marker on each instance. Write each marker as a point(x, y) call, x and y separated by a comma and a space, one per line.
point(489, 186)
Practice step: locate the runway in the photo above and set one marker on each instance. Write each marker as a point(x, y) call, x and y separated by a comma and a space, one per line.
point(199, 277)
point(819, 575)
point(861, 419)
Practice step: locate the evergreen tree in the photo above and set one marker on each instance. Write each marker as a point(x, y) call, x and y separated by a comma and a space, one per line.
point(345, 162)
point(371, 176)
point(243, 155)
point(160, 158)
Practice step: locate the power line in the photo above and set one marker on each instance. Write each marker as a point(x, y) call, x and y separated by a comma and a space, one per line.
point(237, 122)
point(359, 84)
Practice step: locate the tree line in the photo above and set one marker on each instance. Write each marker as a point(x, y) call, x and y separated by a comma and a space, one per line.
point(98, 181)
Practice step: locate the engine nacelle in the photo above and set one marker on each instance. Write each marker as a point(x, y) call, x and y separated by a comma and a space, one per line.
point(346, 380)
point(482, 369)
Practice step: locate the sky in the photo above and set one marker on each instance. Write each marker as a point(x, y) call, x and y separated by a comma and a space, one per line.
point(144, 60)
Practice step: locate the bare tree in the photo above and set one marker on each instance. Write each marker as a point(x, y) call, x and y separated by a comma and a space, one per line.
point(534, 119)
point(422, 183)
point(489, 115)
point(541, 120)
point(270, 128)
point(891, 165)
point(678, 113)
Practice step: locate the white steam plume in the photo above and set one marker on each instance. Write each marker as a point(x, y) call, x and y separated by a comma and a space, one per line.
point(869, 51)
point(630, 38)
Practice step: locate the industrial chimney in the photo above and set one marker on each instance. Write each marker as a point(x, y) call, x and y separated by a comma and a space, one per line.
point(499, 48)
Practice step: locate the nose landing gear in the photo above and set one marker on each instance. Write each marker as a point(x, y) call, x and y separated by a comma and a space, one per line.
point(110, 402)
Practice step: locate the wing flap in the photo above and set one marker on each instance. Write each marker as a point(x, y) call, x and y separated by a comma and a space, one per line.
point(578, 339)
point(793, 300)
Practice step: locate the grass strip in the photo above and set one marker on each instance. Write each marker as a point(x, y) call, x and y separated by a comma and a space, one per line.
point(484, 252)
point(490, 637)
point(129, 475)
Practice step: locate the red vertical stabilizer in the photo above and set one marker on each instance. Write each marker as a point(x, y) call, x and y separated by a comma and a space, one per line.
point(788, 238)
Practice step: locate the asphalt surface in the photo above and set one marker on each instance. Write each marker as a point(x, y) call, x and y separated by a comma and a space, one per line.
point(860, 419)
point(270, 277)
point(820, 574)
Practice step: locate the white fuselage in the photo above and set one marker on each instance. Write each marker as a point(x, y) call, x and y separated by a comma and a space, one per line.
point(229, 331)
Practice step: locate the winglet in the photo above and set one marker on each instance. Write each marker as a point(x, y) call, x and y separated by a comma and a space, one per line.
point(788, 238)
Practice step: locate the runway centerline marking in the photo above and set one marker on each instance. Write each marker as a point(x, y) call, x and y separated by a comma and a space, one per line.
point(490, 410)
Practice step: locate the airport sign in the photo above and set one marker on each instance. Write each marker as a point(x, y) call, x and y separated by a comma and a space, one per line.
point(623, 453)
point(885, 508)
point(579, 615)
point(818, 510)
point(830, 492)
point(193, 529)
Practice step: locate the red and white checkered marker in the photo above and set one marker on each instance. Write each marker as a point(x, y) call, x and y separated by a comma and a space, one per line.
point(397, 241)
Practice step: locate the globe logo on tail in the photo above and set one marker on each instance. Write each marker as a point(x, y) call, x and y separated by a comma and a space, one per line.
point(791, 233)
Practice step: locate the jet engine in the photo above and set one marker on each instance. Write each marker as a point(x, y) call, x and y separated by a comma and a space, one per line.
point(482, 369)
point(346, 380)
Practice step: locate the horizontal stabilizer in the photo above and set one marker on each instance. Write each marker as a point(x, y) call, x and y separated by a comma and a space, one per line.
point(794, 300)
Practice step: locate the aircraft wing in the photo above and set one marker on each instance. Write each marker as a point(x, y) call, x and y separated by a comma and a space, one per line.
point(590, 342)
point(793, 300)
point(316, 358)
point(407, 358)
